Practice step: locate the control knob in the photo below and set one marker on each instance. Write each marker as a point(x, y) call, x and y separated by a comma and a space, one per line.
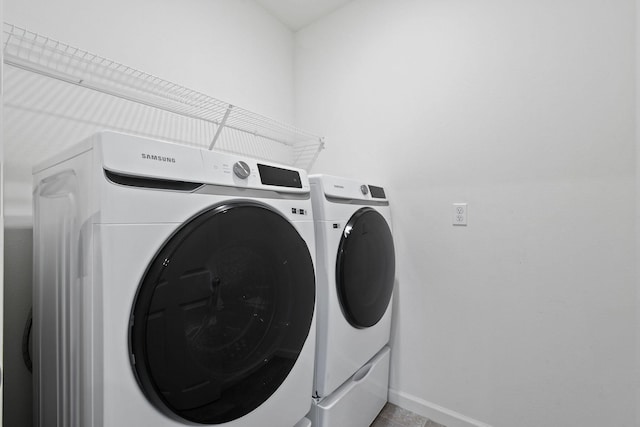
point(364, 189)
point(242, 170)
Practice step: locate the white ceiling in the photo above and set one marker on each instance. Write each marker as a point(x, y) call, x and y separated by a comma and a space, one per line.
point(297, 14)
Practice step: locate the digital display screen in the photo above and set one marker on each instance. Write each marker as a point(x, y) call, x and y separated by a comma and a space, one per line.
point(271, 175)
point(377, 192)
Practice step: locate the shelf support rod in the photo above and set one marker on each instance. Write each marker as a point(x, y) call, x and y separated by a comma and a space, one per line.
point(320, 148)
point(222, 123)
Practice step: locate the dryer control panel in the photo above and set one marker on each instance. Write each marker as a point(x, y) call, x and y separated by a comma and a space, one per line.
point(347, 189)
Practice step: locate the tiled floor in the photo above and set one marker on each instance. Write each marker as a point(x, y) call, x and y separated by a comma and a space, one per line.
point(394, 416)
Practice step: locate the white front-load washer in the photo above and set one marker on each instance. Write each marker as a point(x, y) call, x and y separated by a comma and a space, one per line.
point(173, 286)
point(356, 275)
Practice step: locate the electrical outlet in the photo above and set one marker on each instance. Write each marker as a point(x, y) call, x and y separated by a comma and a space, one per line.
point(460, 214)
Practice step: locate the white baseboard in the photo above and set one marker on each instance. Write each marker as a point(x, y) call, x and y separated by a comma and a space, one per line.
point(434, 412)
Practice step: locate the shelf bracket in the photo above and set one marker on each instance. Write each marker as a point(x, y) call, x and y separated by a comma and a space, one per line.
point(220, 126)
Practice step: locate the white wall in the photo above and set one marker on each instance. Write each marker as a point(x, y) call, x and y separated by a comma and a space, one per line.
point(524, 110)
point(230, 49)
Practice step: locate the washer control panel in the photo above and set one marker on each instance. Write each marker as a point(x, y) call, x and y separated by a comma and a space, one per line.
point(232, 170)
point(136, 157)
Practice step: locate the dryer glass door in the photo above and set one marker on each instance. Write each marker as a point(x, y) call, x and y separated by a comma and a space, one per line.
point(222, 313)
point(365, 268)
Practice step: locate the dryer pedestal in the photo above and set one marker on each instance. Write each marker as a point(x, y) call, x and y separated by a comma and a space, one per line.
point(357, 402)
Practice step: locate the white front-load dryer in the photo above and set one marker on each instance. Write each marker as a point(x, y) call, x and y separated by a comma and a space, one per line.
point(356, 275)
point(173, 286)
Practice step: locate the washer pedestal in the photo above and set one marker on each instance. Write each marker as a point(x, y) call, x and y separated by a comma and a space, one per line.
point(303, 423)
point(357, 402)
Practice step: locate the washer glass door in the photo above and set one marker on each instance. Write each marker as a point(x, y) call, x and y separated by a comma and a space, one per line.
point(365, 268)
point(222, 313)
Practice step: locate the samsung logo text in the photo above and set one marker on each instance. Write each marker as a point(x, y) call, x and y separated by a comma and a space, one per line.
point(158, 158)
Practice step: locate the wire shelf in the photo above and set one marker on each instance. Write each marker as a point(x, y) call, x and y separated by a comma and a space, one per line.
point(235, 129)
